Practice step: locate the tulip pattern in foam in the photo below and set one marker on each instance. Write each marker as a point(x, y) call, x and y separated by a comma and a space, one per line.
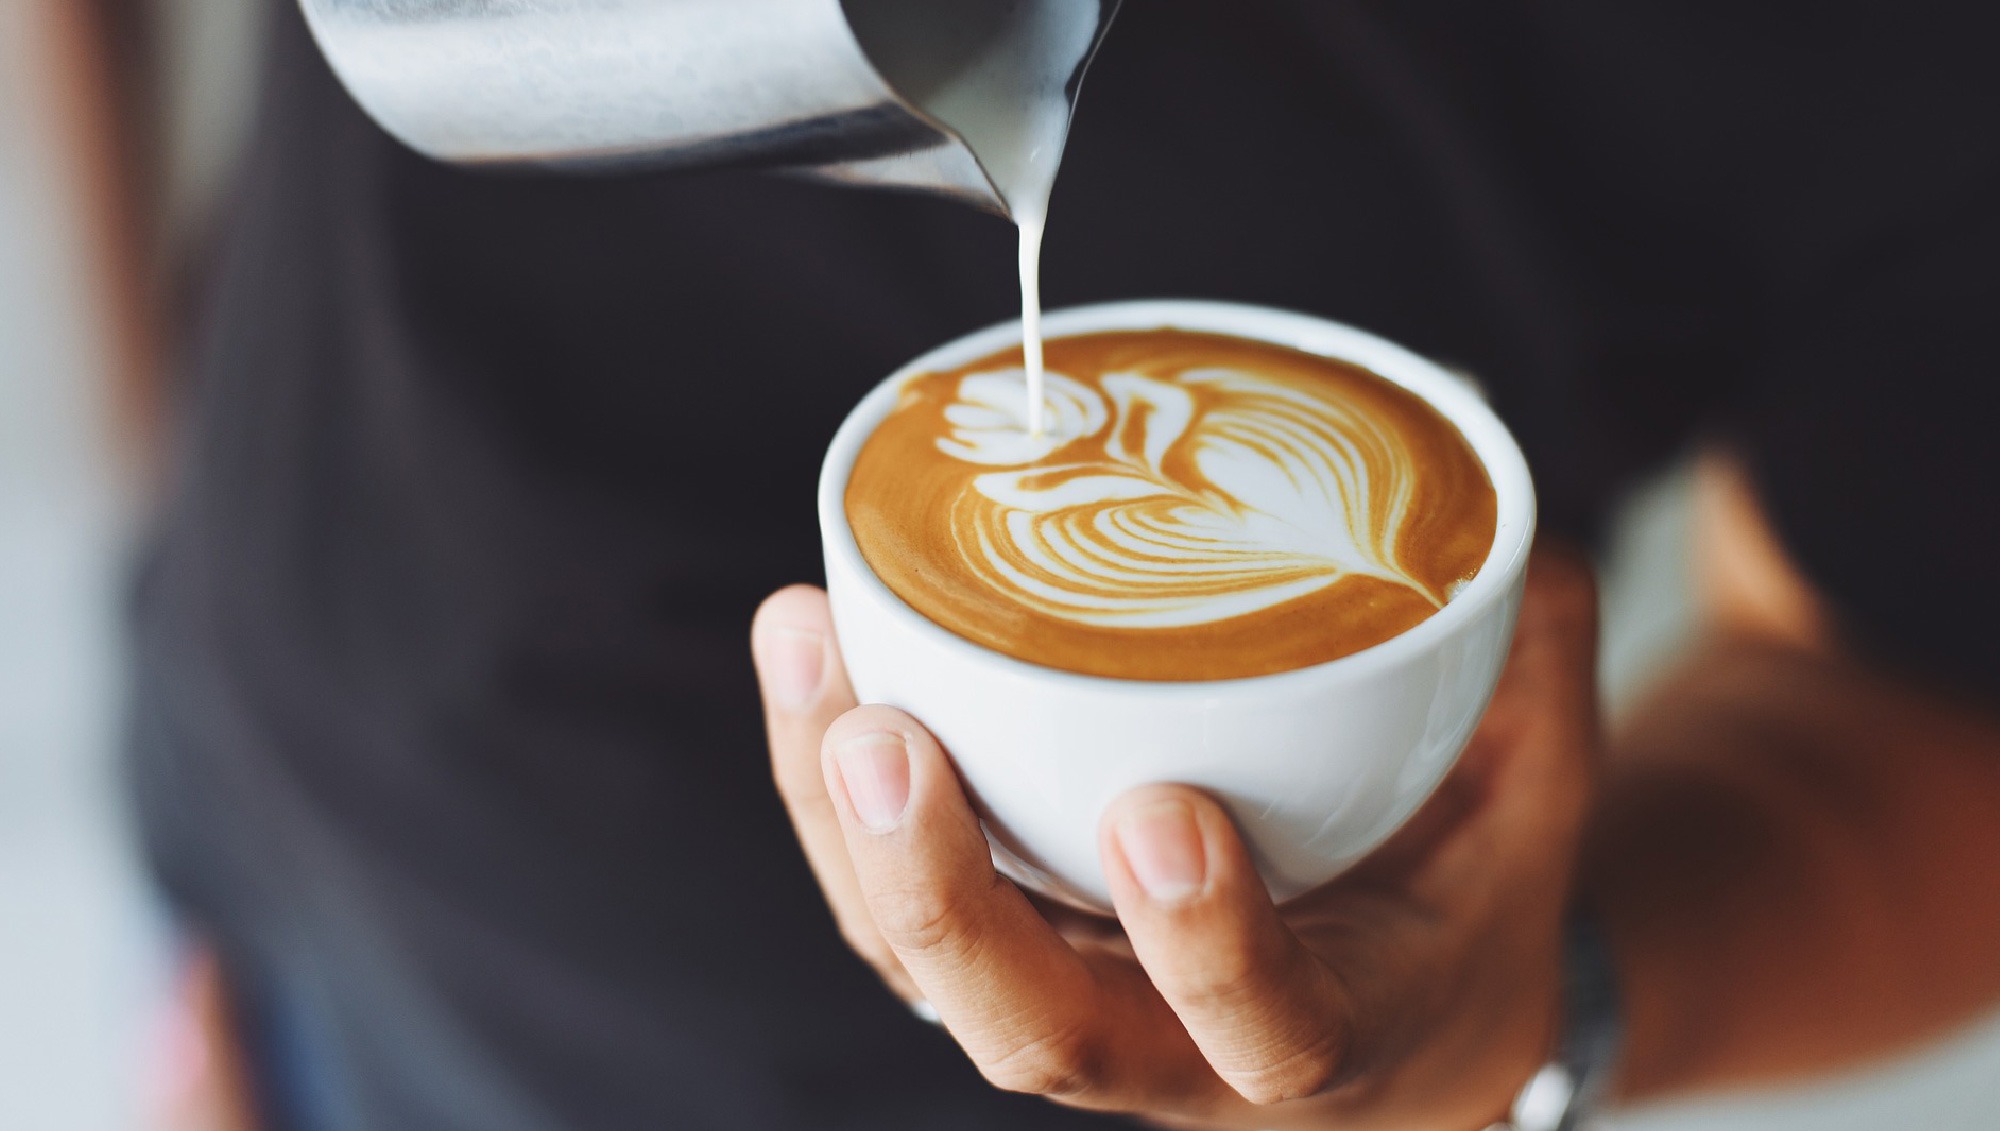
point(1173, 499)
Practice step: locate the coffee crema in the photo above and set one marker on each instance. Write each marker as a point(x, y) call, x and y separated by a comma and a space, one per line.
point(1196, 507)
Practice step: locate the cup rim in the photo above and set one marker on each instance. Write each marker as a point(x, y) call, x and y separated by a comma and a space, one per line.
point(1452, 395)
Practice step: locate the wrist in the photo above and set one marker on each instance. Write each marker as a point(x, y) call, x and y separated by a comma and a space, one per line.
point(1569, 1092)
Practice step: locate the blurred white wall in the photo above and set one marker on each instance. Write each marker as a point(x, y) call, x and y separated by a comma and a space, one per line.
point(78, 937)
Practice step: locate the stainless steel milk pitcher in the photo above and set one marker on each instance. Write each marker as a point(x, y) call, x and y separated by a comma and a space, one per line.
point(908, 93)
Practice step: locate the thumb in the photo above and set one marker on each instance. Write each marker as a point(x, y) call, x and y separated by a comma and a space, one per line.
point(1266, 1014)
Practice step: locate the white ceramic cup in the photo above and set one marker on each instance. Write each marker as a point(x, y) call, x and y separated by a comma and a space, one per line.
point(1317, 765)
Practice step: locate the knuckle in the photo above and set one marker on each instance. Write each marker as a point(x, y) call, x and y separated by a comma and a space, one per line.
point(923, 919)
point(1239, 980)
point(1262, 1041)
point(1059, 1064)
point(1227, 984)
point(1304, 1072)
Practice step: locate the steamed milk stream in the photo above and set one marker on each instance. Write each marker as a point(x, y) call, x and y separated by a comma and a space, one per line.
point(1197, 507)
point(1157, 505)
point(997, 74)
point(1014, 113)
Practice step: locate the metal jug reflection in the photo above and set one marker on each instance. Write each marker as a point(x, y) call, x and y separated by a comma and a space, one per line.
point(969, 98)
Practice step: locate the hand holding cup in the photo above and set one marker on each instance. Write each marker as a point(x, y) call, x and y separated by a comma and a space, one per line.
point(1417, 990)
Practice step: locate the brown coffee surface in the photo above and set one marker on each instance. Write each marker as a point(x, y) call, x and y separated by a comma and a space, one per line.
point(1198, 507)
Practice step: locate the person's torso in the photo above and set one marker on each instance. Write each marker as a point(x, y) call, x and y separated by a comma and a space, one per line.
point(486, 471)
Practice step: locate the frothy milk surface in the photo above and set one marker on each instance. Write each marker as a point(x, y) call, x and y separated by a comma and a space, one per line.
point(1195, 507)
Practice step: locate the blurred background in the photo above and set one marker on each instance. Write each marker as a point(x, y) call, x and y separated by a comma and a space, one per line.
point(92, 987)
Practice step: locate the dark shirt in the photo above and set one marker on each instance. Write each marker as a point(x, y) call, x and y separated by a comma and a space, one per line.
point(446, 731)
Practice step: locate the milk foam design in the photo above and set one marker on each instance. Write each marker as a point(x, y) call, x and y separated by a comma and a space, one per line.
point(1168, 501)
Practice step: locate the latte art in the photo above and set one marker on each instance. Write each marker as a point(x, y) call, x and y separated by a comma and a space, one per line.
point(1188, 497)
point(1211, 495)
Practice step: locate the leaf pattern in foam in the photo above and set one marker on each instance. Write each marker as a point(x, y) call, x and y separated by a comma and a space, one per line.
point(1325, 500)
point(1151, 414)
point(1284, 504)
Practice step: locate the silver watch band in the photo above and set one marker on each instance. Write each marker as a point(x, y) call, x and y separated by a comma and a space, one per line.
point(1569, 1091)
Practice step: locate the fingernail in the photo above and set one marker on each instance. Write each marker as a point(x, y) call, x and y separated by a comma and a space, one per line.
point(875, 768)
point(1163, 847)
point(794, 664)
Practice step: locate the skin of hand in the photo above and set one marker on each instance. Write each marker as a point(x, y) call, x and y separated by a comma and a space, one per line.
point(1792, 848)
point(1419, 990)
